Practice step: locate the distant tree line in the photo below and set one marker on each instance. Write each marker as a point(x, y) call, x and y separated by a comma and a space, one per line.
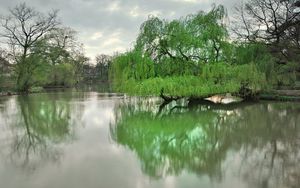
point(99, 71)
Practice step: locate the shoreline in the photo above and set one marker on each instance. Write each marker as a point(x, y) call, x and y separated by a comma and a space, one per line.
point(276, 95)
point(281, 95)
point(8, 93)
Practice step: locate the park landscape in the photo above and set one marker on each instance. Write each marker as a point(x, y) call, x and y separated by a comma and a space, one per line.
point(207, 98)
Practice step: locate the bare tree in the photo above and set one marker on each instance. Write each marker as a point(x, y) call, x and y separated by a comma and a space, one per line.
point(25, 26)
point(22, 29)
point(273, 22)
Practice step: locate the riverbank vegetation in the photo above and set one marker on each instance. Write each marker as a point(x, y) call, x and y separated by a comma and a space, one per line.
point(200, 55)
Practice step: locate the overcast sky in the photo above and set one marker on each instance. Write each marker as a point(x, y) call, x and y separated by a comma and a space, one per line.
point(107, 26)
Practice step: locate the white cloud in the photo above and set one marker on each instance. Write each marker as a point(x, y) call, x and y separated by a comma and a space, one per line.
point(96, 36)
point(192, 1)
point(135, 12)
point(155, 13)
point(111, 42)
point(114, 6)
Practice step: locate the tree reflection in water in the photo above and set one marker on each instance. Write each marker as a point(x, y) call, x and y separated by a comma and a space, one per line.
point(200, 138)
point(42, 123)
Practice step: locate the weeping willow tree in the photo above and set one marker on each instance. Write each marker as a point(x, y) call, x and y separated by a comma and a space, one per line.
point(196, 37)
point(187, 57)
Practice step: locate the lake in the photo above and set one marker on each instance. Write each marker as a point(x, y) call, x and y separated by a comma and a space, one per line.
point(77, 139)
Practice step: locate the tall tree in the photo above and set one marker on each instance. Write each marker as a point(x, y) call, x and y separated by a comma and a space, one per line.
point(22, 28)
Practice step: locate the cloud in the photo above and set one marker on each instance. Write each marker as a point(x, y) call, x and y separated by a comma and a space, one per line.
point(114, 6)
point(96, 36)
point(106, 26)
point(111, 42)
point(134, 12)
point(191, 1)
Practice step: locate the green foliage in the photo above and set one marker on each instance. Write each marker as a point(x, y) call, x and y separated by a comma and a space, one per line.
point(196, 37)
point(24, 72)
point(38, 73)
point(133, 65)
point(184, 86)
point(1, 81)
point(246, 75)
point(246, 53)
point(286, 74)
point(277, 74)
point(189, 57)
point(54, 61)
point(63, 75)
point(214, 79)
point(36, 89)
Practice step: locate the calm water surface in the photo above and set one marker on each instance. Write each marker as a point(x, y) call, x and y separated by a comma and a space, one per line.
point(88, 139)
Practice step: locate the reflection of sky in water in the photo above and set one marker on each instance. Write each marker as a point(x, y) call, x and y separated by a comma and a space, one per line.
point(93, 159)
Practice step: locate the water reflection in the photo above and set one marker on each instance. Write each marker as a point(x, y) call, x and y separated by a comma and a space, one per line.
point(263, 139)
point(181, 144)
point(269, 135)
point(39, 124)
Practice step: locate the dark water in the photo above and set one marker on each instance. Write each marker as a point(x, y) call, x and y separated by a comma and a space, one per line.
point(76, 139)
